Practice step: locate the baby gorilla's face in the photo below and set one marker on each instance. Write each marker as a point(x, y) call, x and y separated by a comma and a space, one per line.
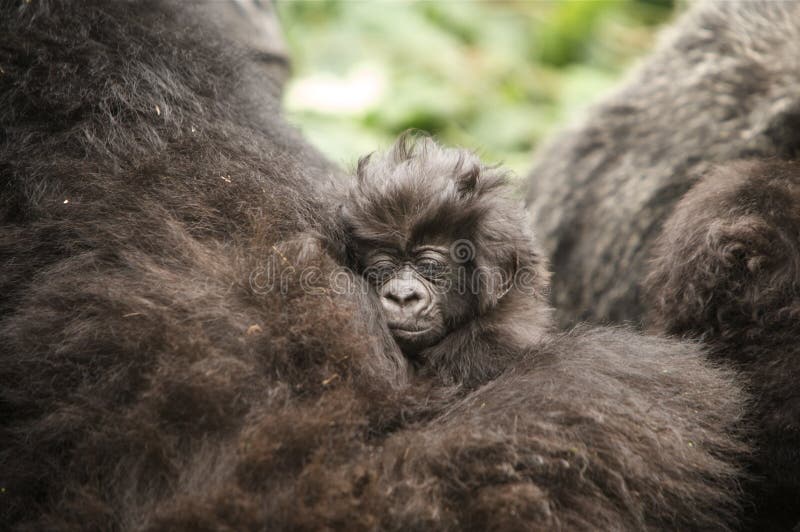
point(437, 235)
point(419, 290)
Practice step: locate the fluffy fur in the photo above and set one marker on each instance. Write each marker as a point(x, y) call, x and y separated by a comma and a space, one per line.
point(142, 186)
point(727, 271)
point(150, 380)
point(589, 433)
point(722, 85)
point(254, 24)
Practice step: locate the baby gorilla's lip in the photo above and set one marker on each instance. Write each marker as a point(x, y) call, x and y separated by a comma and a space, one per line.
point(401, 328)
point(409, 330)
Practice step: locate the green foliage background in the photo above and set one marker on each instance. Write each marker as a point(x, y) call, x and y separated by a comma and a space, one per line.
point(496, 76)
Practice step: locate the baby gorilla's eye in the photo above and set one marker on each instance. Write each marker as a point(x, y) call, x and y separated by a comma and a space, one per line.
point(379, 272)
point(430, 268)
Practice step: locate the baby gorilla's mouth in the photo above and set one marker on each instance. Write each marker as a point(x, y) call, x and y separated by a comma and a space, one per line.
point(413, 338)
point(409, 329)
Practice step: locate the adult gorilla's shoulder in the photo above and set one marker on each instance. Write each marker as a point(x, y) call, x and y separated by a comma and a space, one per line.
point(726, 269)
point(721, 85)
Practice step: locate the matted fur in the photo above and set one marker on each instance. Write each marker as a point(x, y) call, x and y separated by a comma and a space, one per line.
point(147, 383)
point(727, 271)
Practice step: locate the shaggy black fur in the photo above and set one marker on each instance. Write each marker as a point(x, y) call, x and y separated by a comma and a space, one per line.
point(150, 380)
point(254, 24)
point(721, 86)
point(727, 271)
point(141, 187)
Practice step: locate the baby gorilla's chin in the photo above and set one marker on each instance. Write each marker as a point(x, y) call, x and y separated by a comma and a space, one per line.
point(414, 338)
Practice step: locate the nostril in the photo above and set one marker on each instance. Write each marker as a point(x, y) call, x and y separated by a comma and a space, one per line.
point(403, 298)
point(409, 298)
point(390, 296)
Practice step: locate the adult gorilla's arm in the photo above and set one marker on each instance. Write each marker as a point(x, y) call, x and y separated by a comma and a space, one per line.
point(721, 85)
point(143, 189)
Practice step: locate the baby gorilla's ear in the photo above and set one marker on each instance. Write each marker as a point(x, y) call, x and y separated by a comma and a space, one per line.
point(496, 265)
point(507, 262)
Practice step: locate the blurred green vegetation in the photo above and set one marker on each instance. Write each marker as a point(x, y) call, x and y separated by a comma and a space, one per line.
point(496, 76)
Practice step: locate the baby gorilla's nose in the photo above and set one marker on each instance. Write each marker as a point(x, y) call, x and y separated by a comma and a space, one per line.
point(404, 298)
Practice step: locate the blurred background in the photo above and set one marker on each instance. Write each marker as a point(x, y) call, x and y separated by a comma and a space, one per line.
point(496, 76)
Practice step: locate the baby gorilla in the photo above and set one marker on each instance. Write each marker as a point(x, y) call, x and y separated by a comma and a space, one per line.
point(437, 234)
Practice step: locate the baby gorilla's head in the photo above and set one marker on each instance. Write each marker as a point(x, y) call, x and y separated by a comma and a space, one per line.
point(437, 235)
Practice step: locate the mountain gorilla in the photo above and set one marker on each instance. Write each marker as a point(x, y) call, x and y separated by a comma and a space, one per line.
point(148, 382)
point(439, 235)
point(727, 271)
point(721, 86)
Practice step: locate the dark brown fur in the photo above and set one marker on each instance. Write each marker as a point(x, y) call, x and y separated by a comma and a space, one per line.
point(727, 271)
point(720, 86)
point(150, 380)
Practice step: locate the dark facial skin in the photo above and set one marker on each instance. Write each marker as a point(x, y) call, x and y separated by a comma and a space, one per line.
point(418, 290)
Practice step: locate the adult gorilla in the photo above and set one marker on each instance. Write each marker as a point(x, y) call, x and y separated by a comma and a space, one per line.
point(154, 376)
point(142, 186)
point(722, 85)
point(727, 270)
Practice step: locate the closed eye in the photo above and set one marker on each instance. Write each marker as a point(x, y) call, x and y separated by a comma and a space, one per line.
point(431, 268)
point(379, 271)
